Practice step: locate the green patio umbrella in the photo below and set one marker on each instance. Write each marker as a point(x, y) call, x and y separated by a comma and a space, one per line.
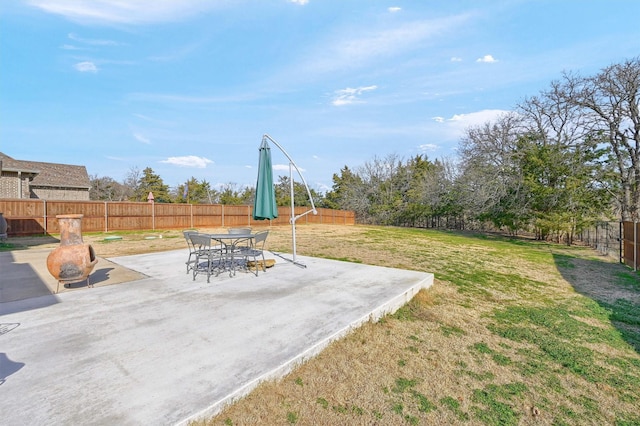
point(265, 206)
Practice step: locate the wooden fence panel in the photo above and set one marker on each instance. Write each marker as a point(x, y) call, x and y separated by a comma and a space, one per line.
point(631, 253)
point(172, 216)
point(635, 248)
point(24, 217)
point(207, 216)
point(237, 216)
point(123, 216)
point(34, 216)
point(93, 214)
point(283, 216)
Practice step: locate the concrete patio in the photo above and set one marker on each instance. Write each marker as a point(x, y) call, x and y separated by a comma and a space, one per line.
point(160, 348)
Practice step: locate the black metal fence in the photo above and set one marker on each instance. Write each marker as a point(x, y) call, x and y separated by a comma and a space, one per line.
point(605, 237)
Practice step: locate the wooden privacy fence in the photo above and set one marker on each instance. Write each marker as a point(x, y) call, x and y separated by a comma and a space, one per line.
point(630, 244)
point(36, 217)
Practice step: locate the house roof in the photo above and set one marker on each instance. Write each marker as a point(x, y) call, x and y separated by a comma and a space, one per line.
point(49, 174)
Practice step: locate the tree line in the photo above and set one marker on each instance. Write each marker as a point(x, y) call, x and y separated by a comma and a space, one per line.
point(563, 159)
point(138, 184)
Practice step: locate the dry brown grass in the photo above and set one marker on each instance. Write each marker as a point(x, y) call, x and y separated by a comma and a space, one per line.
point(440, 345)
point(442, 359)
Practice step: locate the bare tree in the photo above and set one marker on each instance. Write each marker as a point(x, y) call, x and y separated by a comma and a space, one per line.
point(132, 181)
point(107, 189)
point(610, 103)
point(553, 117)
point(490, 178)
point(382, 186)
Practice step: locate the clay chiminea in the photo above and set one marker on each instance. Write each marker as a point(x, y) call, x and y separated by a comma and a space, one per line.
point(73, 260)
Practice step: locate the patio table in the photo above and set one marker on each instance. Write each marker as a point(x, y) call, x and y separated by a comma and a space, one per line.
point(232, 244)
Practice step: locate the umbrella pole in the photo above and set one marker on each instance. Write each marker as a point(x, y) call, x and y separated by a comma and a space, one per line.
point(293, 219)
point(293, 212)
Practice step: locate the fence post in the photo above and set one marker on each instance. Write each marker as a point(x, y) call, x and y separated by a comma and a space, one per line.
point(106, 218)
point(46, 230)
point(620, 240)
point(635, 247)
point(222, 205)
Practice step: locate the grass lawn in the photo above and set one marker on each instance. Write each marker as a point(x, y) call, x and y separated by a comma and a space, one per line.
point(513, 331)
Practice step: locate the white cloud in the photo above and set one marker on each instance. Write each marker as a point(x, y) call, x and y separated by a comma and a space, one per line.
point(344, 50)
point(428, 147)
point(188, 161)
point(350, 95)
point(323, 188)
point(478, 117)
point(93, 42)
point(141, 138)
point(282, 167)
point(394, 9)
point(300, 2)
point(458, 123)
point(143, 117)
point(487, 59)
point(86, 67)
point(126, 12)
point(71, 47)
point(456, 59)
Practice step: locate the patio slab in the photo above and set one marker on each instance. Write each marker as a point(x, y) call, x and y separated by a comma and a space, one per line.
point(166, 349)
point(24, 275)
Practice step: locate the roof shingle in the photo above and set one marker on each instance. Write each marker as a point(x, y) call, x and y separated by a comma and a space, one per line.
point(49, 174)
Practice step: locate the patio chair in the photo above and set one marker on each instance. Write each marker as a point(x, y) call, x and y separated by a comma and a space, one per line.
point(192, 250)
point(243, 244)
point(239, 230)
point(255, 251)
point(209, 257)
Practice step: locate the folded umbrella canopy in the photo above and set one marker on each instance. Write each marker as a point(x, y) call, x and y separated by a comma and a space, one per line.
point(262, 188)
point(265, 206)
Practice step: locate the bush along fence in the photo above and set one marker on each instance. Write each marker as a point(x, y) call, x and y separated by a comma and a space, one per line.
point(38, 217)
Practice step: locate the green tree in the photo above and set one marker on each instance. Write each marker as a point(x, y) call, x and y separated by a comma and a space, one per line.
point(562, 185)
point(194, 192)
point(248, 195)
point(344, 190)
point(231, 195)
point(414, 181)
point(151, 182)
point(490, 179)
point(300, 195)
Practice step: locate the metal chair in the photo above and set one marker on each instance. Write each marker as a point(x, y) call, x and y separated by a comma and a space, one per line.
point(255, 251)
point(239, 230)
point(209, 257)
point(243, 244)
point(192, 250)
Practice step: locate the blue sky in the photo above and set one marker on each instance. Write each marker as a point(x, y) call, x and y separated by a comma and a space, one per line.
point(188, 87)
